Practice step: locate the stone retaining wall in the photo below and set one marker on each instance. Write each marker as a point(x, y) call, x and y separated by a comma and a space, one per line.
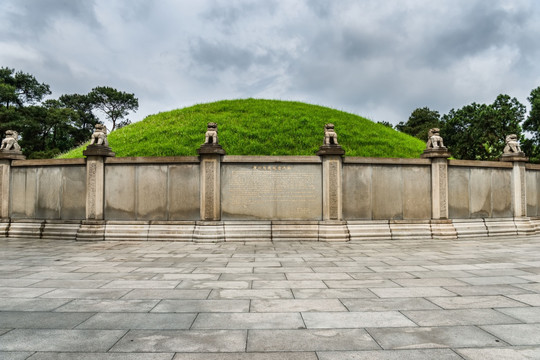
point(267, 198)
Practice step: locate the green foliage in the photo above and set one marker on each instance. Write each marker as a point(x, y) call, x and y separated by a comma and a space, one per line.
point(258, 127)
point(419, 123)
point(478, 131)
point(115, 104)
point(18, 88)
point(532, 146)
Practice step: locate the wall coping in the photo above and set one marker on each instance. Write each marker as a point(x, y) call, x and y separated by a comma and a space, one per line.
point(478, 163)
point(48, 162)
point(385, 161)
point(270, 159)
point(153, 160)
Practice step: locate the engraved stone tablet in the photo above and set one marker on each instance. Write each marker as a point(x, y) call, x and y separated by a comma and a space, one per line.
point(271, 192)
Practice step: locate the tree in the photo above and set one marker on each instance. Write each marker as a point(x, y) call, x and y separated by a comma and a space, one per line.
point(419, 123)
point(532, 125)
point(83, 106)
point(113, 103)
point(19, 89)
point(478, 131)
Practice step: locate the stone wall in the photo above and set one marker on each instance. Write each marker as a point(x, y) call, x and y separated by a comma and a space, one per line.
point(216, 197)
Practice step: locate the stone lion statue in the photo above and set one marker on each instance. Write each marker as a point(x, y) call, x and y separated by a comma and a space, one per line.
point(10, 142)
point(330, 136)
point(211, 134)
point(512, 145)
point(99, 137)
point(435, 140)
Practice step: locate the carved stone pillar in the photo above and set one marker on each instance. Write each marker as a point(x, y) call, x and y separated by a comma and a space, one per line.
point(332, 228)
point(519, 186)
point(93, 228)
point(332, 188)
point(6, 157)
point(210, 228)
point(210, 187)
point(439, 188)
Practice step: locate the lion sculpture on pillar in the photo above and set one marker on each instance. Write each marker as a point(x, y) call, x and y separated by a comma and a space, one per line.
point(435, 141)
point(330, 136)
point(512, 145)
point(99, 137)
point(10, 142)
point(211, 134)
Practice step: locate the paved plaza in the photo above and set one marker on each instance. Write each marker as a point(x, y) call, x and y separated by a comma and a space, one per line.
point(429, 299)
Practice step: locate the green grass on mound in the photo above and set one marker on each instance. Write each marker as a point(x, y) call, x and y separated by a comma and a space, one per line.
point(257, 127)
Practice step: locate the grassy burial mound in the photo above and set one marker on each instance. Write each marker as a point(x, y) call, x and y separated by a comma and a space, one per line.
point(257, 127)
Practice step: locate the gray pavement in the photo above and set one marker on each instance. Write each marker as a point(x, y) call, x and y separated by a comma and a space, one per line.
point(430, 299)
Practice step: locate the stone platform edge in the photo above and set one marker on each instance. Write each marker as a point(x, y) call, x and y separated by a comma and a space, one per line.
point(261, 231)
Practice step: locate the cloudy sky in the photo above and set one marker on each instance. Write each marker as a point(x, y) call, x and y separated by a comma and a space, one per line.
point(380, 59)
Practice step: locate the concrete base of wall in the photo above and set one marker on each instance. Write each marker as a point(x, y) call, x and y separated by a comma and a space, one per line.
point(220, 231)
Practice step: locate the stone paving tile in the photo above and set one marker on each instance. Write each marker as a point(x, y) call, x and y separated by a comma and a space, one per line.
point(22, 292)
point(142, 321)
point(421, 291)
point(248, 356)
point(433, 337)
point(159, 294)
point(180, 277)
point(141, 284)
point(50, 275)
point(475, 302)
point(350, 320)
point(388, 304)
point(440, 274)
point(100, 356)
point(193, 284)
point(267, 294)
point(70, 284)
point(281, 270)
point(318, 276)
point(534, 287)
point(310, 340)
point(300, 284)
point(248, 321)
point(458, 317)
point(36, 304)
point(486, 290)
point(222, 270)
point(358, 284)
point(496, 272)
point(524, 314)
point(41, 320)
point(251, 277)
point(500, 353)
point(85, 294)
point(519, 334)
point(182, 341)
point(18, 282)
point(381, 275)
point(493, 280)
point(430, 354)
point(104, 305)
point(60, 340)
point(296, 305)
point(14, 355)
point(530, 299)
point(332, 293)
point(429, 282)
point(195, 306)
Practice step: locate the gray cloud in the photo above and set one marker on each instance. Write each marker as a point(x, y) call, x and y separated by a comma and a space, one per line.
point(378, 59)
point(28, 18)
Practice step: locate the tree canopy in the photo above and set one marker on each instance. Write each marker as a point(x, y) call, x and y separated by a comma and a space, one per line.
point(47, 126)
point(477, 131)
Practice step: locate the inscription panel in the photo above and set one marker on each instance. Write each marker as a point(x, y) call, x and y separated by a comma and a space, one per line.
point(271, 192)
